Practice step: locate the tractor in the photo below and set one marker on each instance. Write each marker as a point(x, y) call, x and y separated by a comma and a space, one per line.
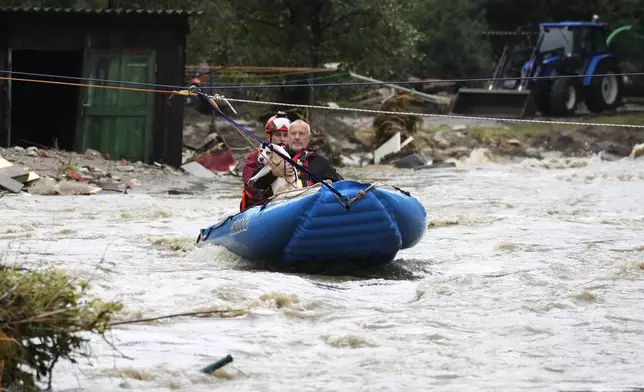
point(573, 50)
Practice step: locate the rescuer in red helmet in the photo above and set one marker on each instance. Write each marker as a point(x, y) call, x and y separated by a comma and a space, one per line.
point(276, 130)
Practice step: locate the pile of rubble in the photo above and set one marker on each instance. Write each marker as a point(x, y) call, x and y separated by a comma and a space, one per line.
point(55, 172)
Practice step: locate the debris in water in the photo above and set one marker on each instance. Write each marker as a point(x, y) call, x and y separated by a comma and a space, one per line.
point(217, 365)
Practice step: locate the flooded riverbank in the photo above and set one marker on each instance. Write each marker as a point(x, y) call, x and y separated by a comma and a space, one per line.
point(529, 277)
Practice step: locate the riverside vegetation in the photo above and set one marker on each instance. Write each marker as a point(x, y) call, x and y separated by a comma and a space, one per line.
point(45, 316)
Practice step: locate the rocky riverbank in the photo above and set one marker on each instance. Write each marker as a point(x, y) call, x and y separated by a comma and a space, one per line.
point(348, 140)
point(67, 173)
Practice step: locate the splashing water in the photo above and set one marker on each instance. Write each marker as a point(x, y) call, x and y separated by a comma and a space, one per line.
point(529, 278)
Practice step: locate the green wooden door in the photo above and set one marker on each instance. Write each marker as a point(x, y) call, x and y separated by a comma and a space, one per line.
point(118, 122)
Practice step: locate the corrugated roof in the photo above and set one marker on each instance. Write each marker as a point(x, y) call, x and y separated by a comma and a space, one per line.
point(102, 11)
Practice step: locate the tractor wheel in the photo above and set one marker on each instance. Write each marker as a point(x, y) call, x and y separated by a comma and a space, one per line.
point(605, 92)
point(563, 97)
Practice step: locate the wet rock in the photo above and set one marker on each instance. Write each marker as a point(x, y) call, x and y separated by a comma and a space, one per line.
point(390, 158)
point(568, 142)
point(457, 152)
point(612, 147)
point(410, 161)
point(340, 145)
point(427, 152)
point(440, 140)
point(32, 151)
point(349, 161)
point(19, 149)
point(608, 157)
point(439, 156)
point(473, 143)
point(514, 142)
point(532, 152)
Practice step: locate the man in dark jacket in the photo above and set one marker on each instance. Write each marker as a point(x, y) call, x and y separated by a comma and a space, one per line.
point(299, 136)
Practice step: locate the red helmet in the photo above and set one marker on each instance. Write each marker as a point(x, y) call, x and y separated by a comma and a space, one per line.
point(279, 122)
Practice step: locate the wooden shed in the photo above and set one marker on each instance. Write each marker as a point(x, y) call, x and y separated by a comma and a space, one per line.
point(129, 45)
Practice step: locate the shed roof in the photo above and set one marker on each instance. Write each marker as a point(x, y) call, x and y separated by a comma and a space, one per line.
point(100, 11)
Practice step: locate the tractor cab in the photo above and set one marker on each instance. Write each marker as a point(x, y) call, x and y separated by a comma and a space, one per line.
point(573, 38)
point(568, 47)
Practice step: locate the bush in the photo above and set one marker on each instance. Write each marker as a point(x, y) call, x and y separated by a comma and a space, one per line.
point(42, 317)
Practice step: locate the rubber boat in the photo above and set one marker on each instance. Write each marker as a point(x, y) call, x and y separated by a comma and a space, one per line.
point(314, 227)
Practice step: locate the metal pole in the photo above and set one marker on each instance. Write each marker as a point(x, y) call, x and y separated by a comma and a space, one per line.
point(9, 108)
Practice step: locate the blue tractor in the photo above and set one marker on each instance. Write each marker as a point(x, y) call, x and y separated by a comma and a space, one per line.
point(562, 49)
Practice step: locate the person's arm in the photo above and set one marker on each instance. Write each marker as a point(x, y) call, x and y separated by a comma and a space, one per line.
point(331, 174)
point(322, 168)
point(265, 182)
point(251, 167)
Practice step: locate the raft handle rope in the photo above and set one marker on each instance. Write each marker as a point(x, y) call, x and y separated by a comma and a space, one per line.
point(363, 192)
point(211, 99)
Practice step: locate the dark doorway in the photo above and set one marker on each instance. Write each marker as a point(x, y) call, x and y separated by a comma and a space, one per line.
point(44, 114)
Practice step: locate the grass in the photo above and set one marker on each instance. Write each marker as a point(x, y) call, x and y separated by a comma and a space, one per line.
point(525, 131)
point(44, 316)
point(624, 118)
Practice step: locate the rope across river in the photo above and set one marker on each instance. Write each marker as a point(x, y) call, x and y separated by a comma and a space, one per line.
point(248, 135)
point(172, 90)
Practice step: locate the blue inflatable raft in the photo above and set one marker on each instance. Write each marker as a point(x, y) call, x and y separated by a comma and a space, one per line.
point(311, 227)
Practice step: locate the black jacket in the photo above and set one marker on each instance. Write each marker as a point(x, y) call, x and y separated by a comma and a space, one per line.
point(319, 165)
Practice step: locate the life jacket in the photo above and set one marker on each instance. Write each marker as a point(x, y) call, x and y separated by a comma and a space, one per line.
point(302, 159)
point(245, 198)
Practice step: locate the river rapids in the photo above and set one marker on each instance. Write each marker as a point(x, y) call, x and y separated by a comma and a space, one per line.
point(530, 277)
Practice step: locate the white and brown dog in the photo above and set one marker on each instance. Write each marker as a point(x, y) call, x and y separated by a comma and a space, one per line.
point(281, 184)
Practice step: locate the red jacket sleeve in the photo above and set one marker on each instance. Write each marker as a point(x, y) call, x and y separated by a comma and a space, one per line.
point(250, 165)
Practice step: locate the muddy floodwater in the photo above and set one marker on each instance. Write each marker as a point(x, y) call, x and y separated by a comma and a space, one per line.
point(530, 277)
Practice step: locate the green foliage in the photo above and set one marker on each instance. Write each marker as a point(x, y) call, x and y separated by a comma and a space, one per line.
point(386, 39)
point(307, 33)
point(450, 41)
point(42, 316)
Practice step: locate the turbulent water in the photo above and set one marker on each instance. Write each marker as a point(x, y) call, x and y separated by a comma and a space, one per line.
point(529, 278)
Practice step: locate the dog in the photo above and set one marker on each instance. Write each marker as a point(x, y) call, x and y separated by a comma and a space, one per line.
point(281, 184)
